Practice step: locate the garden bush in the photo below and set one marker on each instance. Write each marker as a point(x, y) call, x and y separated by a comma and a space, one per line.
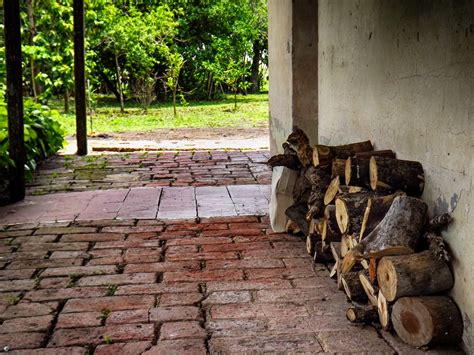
point(43, 135)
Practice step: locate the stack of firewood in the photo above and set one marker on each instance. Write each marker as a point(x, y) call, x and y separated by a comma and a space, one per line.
point(360, 209)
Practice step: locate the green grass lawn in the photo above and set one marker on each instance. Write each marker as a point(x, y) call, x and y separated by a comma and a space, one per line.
point(252, 111)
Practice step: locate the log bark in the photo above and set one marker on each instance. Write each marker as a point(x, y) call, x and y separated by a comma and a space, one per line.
point(299, 141)
point(398, 233)
point(330, 230)
point(384, 309)
point(332, 190)
point(297, 213)
point(302, 188)
point(323, 154)
point(438, 223)
point(339, 169)
point(362, 314)
point(356, 169)
point(370, 288)
point(413, 275)
point(322, 253)
point(377, 208)
point(423, 321)
point(350, 210)
point(437, 246)
point(311, 241)
point(394, 174)
point(353, 287)
point(319, 178)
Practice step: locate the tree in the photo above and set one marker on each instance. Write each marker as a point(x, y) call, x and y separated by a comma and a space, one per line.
point(175, 62)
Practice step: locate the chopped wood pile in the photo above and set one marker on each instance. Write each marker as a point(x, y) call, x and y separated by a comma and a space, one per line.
point(360, 211)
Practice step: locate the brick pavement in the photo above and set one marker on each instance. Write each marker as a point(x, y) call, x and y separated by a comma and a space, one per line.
point(221, 285)
point(66, 173)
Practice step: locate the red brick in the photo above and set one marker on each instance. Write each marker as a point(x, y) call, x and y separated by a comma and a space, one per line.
point(55, 282)
point(247, 225)
point(236, 246)
point(168, 314)
point(291, 273)
point(65, 293)
point(132, 229)
point(68, 255)
point(92, 237)
point(114, 303)
point(96, 335)
point(80, 270)
point(78, 320)
point(16, 233)
point(199, 241)
point(292, 295)
point(29, 324)
point(22, 340)
point(255, 310)
point(202, 256)
point(179, 330)
point(298, 262)
point(17, 274)
point(155, 289)
point(65, 230)
point(180, 299)
point(102, 253)
point(73, 350)
point(224, 297)
point(275, 254)
point(45, 263)
point(127, 317)
point(47, 238)
point(133, 348)
point(143, 236)
point(16, 285)
point(247, 285)
point(176, 234)
point(241, 219)
point(127, 244)
point(181, 249)
point(187, 346)
point(111, 260)
point(236, 327)
point(120, 279)
point(232, 232)
point(175, 276)
point(163, 266)
point(54, 246)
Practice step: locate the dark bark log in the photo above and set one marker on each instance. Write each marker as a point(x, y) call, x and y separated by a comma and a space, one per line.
point(319, 178)
point(398, 233)
point(394, 174)
point(302, 188)
point(356, 170)
point(362, 314)
point(350, 210)
point(330, 231)
point(322, 253)
point(323, 154)
point(423, 321)
point(353, 287)
point(297, 213)
point(371, 289)
point(413, 275)
point(338, 169)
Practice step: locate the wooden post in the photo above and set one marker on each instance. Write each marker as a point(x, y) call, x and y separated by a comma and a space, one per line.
point(80, 78)
point(14, 98)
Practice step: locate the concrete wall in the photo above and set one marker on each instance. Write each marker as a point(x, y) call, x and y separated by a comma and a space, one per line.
point(292, 59)
point(402, 74)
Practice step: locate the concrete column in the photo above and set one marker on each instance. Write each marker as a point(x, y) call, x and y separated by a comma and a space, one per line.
point(293, 63)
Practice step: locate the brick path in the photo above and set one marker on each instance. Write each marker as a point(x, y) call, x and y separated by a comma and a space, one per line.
point(221, 285)
point(186, 168)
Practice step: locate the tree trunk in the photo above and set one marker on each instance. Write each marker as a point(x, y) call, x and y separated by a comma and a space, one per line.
point(255, 68)
point(66, 100)
point(109, 85)
point(323, 154)
point(413, 275)
point(174, 102)
point(422, 321)
point(356, 169)
point(32, 27)
point(362, 314)
point(119, 83)
point(398, 233)
point(394, 174)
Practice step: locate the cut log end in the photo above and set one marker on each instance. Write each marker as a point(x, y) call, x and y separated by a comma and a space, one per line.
point(384, 310)
point(342, 215)
point(332, 191)
point(362, 314)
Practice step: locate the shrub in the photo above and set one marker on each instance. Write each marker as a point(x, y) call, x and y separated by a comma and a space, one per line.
point(42, 133)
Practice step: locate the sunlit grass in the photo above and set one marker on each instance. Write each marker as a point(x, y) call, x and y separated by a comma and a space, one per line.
point(252, 111)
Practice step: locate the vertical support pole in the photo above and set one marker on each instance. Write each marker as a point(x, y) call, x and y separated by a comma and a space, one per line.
point(15, 98)
point(80, 77)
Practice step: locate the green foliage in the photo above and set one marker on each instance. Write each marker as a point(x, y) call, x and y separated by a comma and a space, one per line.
point(43, 135)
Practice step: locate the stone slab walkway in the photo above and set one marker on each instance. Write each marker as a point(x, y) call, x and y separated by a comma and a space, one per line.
point(221, 285)
point(69, 173)
point(141, 203)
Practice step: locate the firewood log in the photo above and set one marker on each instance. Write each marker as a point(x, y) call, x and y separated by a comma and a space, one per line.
point(345, 246)
point(299, 141)
point(330, 231)
point(323, 154)
point(319, 178)
point(356, 169)
point(376, 209)
point(413, 275)
point(429, 320)
point(333, 272)
point(350, 210)
point(311, 241)
point(322, 253)
point(437, 246)
point(332, 190)
point(339, 169)
point(349, 189)
point(353, 287)
point(302, 188)
point(397, 233)
point(291, 227)
point(297, 213)
point(394, 174)
point(370, 288)
point(437, 223)
point(384, 309)
point(362, 314)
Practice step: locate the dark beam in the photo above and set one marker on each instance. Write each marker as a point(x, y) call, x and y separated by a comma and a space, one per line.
point(14, 98)
point(80, 77)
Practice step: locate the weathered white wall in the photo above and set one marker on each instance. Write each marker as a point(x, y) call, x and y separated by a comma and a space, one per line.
point(293, 57)
point(402, 74)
